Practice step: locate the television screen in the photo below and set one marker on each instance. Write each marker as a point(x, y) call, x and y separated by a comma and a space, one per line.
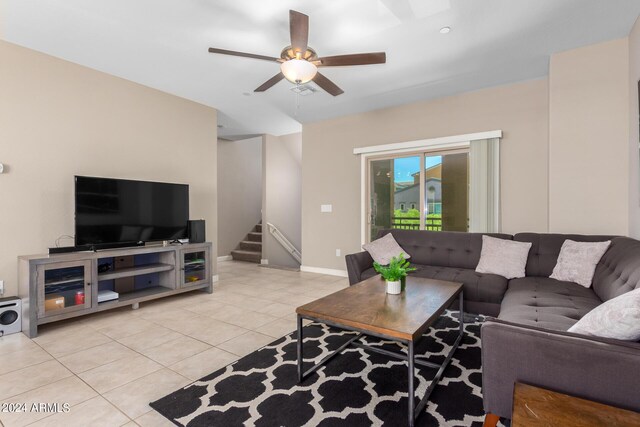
point(124, 211)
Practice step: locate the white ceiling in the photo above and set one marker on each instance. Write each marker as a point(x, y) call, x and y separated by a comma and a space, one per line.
point(163, 44)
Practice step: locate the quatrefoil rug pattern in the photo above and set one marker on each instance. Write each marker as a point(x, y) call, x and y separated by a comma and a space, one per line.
point(356, 388)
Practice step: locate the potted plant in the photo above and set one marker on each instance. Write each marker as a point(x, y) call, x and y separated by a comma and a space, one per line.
point(394, 273)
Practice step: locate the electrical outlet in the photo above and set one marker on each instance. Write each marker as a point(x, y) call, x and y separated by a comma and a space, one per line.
point(1, 287)
point(338, 252)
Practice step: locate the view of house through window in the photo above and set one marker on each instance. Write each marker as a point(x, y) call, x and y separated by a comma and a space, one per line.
point(437, 182)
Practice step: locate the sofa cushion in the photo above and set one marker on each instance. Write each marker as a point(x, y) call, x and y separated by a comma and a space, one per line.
point(619, 269)
point(503, 257)
point(478, 287)
point(546, 303)
point(578, 260)
point(545, 249)
point(384, 249)
point(442, 248)
point(618, 318)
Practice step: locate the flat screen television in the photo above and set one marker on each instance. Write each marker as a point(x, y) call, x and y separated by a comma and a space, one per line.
point(118, 211)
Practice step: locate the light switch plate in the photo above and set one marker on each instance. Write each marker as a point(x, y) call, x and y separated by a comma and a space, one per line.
point(326, 208)
point(1, 287)
point(338, 252)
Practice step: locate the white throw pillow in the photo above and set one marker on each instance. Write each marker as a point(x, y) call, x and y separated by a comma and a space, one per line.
point(383, 249)
point(577, 261)
point(505, 258)
point(617, 318)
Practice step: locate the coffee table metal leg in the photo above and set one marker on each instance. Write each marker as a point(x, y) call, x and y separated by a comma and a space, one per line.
point(461, 319)
point(299, 345)
point(411, 391)
point(414, 410)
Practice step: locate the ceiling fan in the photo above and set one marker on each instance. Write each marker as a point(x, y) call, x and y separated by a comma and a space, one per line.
point(299, 63)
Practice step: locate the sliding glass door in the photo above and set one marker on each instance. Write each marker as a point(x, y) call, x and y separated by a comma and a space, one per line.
point(381, 197)
point(422, 191)
point(446, 189)
point(394, 187)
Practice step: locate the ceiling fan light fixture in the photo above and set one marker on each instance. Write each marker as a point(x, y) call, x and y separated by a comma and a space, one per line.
point(298, 71)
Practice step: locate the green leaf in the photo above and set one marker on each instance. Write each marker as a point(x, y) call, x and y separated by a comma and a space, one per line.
point(397, 269)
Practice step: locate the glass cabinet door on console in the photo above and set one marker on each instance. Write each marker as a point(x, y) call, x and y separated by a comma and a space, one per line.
point(63, 287)
point(195, 266)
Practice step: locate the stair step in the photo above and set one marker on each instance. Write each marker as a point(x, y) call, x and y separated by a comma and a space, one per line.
point(258, 228)
point(251, 246)
point(242, 255)
point(254, 236)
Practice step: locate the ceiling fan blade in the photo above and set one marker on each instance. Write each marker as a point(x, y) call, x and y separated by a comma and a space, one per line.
point(243, 54)
point(299, 29)
point(327, 85)
point(353, 59)
point(272, 81)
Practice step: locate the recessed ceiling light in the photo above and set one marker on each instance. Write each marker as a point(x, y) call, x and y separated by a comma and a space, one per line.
point(445, 30)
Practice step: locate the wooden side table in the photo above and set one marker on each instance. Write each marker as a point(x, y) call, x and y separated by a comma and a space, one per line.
point(537, 407)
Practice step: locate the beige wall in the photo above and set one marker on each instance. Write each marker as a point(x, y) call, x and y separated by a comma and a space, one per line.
point(239, 190)
point(282, 194)
point(589, 139)
point(58, 119)
point(634, 136)
point(331, 172)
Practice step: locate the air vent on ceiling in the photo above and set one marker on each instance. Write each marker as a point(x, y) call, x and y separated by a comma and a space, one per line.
point(304, 90)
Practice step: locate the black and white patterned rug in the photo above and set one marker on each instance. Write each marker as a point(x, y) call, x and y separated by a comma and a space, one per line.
point(356, 388)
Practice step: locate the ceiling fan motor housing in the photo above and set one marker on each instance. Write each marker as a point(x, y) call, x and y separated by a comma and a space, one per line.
point(288, 53)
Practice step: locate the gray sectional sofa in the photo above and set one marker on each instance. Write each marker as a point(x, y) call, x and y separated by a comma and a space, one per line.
point(525, 339)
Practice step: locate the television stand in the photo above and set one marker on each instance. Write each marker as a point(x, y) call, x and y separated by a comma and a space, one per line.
point(61, 286)
point(94, 248)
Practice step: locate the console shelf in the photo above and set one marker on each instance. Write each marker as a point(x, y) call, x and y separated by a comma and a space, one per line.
point(135, 271)
point(144, 295)
point(137, 274)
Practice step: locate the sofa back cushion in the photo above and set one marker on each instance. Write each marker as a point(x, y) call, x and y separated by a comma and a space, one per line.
point(545, 249)
point(442, 248)
point(619, 269)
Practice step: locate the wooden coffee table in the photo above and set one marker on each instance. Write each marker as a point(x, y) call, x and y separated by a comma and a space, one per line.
point(367, 308)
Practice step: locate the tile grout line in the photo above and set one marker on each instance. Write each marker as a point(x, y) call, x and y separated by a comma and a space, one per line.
point(72, 374)
point(248, 283)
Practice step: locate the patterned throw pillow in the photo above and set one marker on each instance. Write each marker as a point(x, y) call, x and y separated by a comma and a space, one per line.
point(578, 260)
point(505, 258)
point(618, 318)
point(383, 249)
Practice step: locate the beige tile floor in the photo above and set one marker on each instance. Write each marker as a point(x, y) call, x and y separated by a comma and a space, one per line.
point(110, 365)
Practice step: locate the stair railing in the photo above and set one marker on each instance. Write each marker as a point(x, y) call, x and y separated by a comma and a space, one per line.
point(289, 247)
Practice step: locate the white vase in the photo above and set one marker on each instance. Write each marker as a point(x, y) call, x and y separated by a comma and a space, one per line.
point(394, 288)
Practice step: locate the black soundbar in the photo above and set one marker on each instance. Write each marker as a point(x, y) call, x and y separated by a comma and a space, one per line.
point(94, 248)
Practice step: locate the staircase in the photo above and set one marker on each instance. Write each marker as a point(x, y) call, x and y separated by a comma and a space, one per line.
point(250, 249)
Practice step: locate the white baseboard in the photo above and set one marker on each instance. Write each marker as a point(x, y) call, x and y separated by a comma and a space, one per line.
point(327, 271)
point(264, 261)
point(225, 258)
